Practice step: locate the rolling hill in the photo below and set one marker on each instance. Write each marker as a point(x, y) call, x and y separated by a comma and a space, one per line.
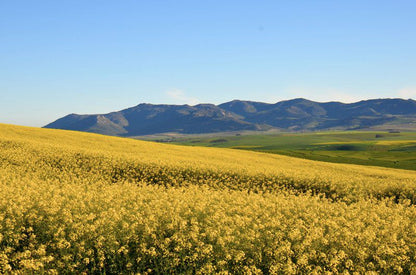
point(73, 202)
point(291, 115)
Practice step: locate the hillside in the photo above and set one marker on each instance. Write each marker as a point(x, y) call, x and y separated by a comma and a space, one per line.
point(147, 119)
point(292, 115)
point(376, 148)
point(79, 202)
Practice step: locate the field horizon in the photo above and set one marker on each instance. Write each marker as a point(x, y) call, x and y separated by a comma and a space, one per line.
point(393, 149)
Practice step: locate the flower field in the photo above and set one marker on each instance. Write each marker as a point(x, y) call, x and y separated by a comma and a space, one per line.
point(74, 202)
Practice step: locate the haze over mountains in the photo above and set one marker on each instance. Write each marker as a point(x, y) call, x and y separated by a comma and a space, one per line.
point(291, 115)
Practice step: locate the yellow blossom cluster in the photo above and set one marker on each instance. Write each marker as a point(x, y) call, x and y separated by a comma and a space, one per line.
point(82, 203)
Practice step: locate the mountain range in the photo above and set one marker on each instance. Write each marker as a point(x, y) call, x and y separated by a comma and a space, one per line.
point(237, 115)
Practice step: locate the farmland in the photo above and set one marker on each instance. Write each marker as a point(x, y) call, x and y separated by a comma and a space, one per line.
point(73, 202)
point(396, 150)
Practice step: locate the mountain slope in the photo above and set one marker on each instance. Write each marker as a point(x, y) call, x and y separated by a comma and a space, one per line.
point(292, 115)
point(149, 119)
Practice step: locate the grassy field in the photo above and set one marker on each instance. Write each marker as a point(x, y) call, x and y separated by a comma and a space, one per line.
point(397, 150)
point(73, 202)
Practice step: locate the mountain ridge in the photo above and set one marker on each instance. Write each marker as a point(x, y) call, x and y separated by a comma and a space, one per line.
point(297, 114)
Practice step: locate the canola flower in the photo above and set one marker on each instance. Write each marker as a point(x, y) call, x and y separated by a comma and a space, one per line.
point(82, 203)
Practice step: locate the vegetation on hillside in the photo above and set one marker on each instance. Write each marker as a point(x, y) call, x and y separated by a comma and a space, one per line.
point(76, 202)
point(387, 149)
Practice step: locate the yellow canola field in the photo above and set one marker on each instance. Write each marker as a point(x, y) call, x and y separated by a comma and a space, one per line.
point(75, 202)
point(121, 159)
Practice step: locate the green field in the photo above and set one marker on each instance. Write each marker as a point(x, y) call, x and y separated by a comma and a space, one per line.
point(397, 150)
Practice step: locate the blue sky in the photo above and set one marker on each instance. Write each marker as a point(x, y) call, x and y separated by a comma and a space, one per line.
point(97, 56)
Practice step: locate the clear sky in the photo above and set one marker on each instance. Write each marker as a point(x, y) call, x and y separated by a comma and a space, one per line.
point(97, 56)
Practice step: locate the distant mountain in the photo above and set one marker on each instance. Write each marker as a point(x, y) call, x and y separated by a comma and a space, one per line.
point(291, 115)
point(146, 119)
